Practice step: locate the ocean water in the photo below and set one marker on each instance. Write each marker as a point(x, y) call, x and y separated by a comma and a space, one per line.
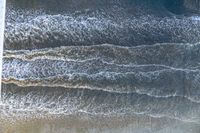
point(2, 28)
point(99, 66)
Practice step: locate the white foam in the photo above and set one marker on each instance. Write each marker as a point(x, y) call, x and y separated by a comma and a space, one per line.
point(197, 18)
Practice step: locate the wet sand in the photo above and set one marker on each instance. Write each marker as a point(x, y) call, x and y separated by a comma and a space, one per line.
point(93, 124)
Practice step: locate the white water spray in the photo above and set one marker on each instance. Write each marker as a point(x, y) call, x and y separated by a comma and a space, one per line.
point(2, 26)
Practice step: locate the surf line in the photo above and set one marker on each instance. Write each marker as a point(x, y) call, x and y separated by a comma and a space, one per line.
point(2, 28)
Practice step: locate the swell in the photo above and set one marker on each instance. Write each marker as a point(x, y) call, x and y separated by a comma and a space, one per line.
point(123, 23)
point(68, 6)
point(74, 74)
point(22, 101)
point(110, 68)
